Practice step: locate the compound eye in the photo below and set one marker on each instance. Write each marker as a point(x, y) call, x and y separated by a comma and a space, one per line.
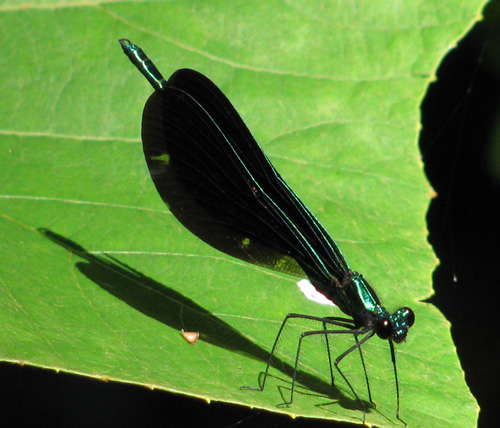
point(383, 328)
point(409, 316)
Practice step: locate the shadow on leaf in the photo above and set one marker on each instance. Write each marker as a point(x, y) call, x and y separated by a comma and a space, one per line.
point(171, 308)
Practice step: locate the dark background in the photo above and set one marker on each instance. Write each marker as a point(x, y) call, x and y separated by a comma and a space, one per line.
point(459, 116)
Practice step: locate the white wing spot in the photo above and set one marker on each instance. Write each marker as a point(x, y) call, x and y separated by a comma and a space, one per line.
point(312, 294)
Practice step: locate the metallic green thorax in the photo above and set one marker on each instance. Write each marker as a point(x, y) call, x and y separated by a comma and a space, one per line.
point(355, 297)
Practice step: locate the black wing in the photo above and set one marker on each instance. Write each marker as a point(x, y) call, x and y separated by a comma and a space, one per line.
point(217, 181)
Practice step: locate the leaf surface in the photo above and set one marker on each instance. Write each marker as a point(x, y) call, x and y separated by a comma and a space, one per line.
point(331, 92)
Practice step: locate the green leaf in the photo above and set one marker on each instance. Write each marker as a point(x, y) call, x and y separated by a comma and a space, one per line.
point(330, 90)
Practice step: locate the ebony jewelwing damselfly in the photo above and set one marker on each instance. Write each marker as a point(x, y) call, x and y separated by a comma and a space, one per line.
point(217, 181)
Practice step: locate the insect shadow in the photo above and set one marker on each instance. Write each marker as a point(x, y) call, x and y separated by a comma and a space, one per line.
point(175, 310)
